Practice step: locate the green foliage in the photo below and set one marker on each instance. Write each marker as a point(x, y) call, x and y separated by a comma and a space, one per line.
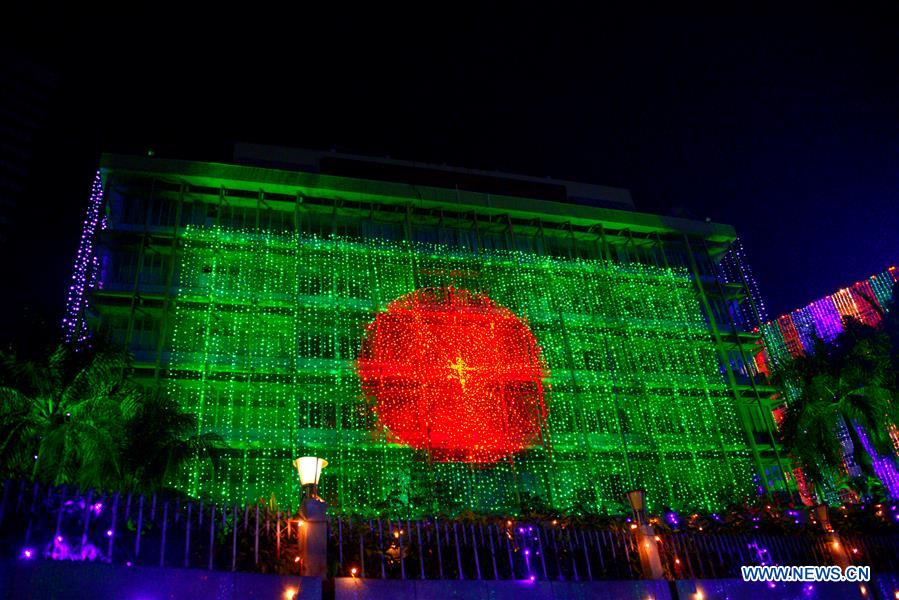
point(79, 418)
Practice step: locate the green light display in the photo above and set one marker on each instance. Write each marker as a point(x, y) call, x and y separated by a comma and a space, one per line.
point(267, 333)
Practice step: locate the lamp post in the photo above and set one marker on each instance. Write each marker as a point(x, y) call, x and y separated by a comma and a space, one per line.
point(313, 510)
point(650, 560)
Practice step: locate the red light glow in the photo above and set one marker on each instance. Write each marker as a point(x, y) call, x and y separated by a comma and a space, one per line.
point(451, 372)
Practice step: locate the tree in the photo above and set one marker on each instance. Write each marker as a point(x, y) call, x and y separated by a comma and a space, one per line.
point(60, 419)
point(160, 440)
point(847, 385)
point(79, 417)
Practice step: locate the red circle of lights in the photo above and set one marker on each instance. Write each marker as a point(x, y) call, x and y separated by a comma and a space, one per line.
point(451, 372)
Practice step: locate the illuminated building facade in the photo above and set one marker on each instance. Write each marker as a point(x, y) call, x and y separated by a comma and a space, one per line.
point(794, 334)
point(447, 339)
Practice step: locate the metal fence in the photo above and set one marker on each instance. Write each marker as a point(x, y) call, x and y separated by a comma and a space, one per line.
point(40, 521)
point(448, 549)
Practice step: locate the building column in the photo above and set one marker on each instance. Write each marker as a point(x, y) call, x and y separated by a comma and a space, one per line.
point(647, 546)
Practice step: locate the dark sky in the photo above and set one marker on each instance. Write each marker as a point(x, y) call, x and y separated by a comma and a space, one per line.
point(787, 129)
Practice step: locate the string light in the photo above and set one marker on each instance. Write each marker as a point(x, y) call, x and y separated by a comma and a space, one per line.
point(794, 334)
point(86, 267)
point(582, 378)
point(734, 268)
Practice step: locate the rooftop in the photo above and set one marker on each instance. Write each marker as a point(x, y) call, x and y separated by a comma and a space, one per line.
point(349, 179)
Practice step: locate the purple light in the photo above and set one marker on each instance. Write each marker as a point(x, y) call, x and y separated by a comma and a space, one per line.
point(533, 578)
point(884, 467)
point(734, 268)
point(828, 322)
point(109, 533)
point(28, 553)
point(86, 268)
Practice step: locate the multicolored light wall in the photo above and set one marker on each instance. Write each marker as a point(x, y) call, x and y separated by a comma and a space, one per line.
point(436, 380)
point(794, 334)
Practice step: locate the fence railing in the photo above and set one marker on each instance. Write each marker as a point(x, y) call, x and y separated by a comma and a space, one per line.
point(447, 549)
point(40, 521)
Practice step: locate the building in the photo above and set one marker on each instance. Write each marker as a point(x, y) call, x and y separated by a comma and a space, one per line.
point(447, 339)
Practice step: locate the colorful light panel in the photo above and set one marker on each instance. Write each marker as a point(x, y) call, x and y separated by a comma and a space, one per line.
point(794, 334)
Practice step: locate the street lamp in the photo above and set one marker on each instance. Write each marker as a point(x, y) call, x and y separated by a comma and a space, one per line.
point(313, 510)
point(637, 500)
point(309, 469)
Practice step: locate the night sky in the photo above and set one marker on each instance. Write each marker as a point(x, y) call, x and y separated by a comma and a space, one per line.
point(786, 129)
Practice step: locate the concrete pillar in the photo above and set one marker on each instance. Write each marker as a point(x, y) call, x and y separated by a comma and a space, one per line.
point(838, 550)
point(650, 560)
point(314, 537)
point(835, 545)
point(648, 547)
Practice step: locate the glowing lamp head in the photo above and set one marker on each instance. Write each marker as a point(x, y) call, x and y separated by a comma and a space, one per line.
point(309, 469)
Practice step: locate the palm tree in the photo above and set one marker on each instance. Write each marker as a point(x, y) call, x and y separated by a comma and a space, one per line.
point(847, 385)
point(78, 417)
point(161, 440)
point(61, 419)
